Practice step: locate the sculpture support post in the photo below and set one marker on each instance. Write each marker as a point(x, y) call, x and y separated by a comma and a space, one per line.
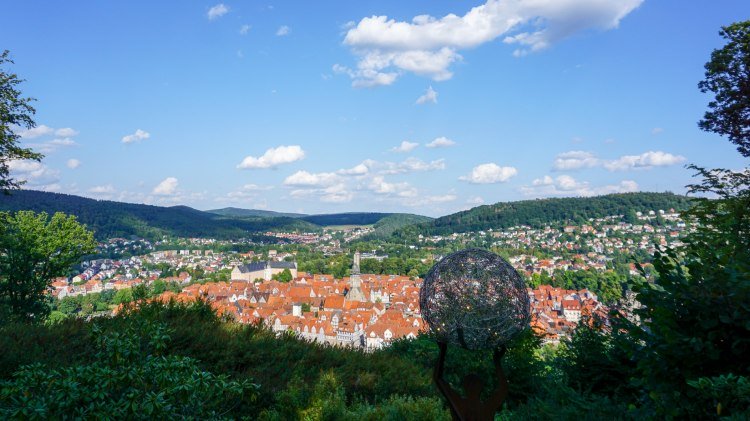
point(471, 407)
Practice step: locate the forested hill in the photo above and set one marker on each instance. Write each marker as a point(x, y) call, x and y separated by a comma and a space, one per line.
point(116, 219)
point(541, 212)
point(253, 212)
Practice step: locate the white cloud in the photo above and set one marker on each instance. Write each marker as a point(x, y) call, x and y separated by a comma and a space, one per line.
point(657, 130)
point(73, 163)
point(378, 185)
point(217, 11)
point(565, 185)
point(405, 146)
point(429, 97)
point(63, 142)
point(573, 160)
point(246, 192)
point(40, 130)
point(103, 189)
point(428, 46)
point(34, 173)
point(489, 173)
point(244, 29)
point(475, 201)
point(136, 137)
point(273, 157)
point(304, 178)
point(336, 193)
point(406, 166)
point(66, 132)
point(440, 142)
point(167, 187)
point(645, 160)
point(283, 31)
point(429, 200)
point(359, 169)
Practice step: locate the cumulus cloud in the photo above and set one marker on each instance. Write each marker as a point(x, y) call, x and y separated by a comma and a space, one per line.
point(406, 166)
point(167, 187)
point(489, 173)
point(136, 137)
point(359, 169)
point(217, 11)
point(103, 189)
point(475, 201)
point(304, 178)
point(34, 132)
point(429, 200)
point(645, 160)
point(379, 185)
point(283, 31)
point(405, 146)
point(248, 191)
point(73, 163)
point(440, 142)
point(428, 45)
point(429, 97)
point(574, 160)
point(66, 132)
point(244, 29)
point(565, 185)
point(273, 157)
point(35, 174)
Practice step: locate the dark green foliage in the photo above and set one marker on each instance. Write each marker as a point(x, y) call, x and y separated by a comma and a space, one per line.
point(349, 218)
point(15, 112)
point(385, 227)
point(726, 395)
point(728, 78)
point(696, 312)
point(116, 219)
point(253, 212)
point(540, 212)
point(129, 377)
point(589, 361)
point(34, 249)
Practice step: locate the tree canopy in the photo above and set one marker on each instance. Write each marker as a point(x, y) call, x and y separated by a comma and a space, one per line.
point(15, 112)
point(728, 78)
point(34, 249)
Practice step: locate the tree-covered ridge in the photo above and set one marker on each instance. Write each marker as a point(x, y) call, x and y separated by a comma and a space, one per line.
point(231, 211)
point(388, 225)
point(540, 212)
point(348, 218)
point(116, 219)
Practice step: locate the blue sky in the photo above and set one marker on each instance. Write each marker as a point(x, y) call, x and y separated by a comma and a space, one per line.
point(330, 106)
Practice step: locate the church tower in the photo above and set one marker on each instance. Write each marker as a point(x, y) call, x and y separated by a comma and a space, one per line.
point(355, 291)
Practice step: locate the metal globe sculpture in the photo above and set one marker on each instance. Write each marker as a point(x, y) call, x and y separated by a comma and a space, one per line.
point(474, 299)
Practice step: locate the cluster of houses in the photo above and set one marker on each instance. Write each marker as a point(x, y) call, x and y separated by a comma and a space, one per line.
point(556, 312)
point(361, 311)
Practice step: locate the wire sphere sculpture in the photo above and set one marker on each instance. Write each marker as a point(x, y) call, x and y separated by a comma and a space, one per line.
point(474, 299)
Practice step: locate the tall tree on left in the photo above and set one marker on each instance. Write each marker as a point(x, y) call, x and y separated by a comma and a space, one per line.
point(15, 113)
point(34, 249)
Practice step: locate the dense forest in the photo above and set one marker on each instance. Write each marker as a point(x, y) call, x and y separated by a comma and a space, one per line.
point(230, 211)
point(111, 219)
point(540, 212)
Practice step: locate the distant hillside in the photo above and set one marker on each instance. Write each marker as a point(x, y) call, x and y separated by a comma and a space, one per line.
point(385, 227)
point(253, 212)
point(115, 219)
point(541, 212)
point(350, 218)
